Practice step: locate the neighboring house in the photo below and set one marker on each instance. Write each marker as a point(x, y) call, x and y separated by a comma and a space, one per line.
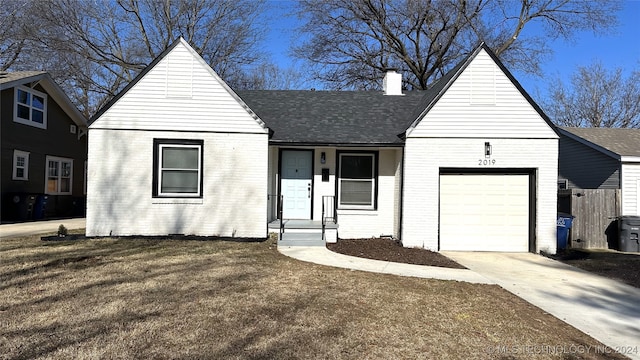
point(470, 164)
point(44, 149)
point(601, 158)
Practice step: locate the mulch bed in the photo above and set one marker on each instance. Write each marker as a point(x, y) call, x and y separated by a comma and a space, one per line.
point(615, 265)
point(391, 250)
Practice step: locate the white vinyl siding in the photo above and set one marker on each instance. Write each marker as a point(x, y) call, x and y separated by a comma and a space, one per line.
point(234, 196)
point(484, 212)
point(181, 93)
point(30, 107)
point(59, 176)
point(425, 157)
point(468, 111)
point(630, 181)
point(20, 165)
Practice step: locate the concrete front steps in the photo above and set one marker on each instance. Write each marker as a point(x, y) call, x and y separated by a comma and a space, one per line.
point(304, 232)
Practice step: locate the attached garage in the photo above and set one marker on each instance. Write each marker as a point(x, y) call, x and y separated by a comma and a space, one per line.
point(480, 165)
point(485, 211)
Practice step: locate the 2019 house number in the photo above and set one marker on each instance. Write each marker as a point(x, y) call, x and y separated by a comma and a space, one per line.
point(486, 162)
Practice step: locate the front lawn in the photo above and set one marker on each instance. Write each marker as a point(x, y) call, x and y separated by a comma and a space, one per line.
point(124, 298)
point(624, 267)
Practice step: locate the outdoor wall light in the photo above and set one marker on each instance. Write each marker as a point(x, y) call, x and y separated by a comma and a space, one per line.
point(487, 149)
point(323, 157)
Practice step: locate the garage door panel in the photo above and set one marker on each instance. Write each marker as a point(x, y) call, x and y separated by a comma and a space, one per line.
point(484, 212)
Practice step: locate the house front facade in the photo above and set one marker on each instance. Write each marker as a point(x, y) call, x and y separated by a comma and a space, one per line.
point(44, 149)
point(445, 169)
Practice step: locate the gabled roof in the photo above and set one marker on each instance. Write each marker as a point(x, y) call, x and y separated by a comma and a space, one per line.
point(31, 78)
point(440, 87)
point(621, 144)
point(159, 58)
point(7, 79)
point(333, 117)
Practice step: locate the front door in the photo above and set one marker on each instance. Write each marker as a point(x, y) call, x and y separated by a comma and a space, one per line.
point(295, 185)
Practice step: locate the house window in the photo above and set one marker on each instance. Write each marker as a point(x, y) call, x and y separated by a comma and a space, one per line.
point(357, 180)
point(30, 107)
point(20, 165)
point(177, 168)
point(59, 176)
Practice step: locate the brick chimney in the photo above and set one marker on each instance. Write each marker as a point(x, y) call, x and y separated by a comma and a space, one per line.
point(392, 83)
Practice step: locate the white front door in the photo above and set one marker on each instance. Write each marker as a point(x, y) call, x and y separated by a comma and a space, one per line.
point(295, 185)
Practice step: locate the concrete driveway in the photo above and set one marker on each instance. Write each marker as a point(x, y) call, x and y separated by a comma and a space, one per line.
point(605, 309)
point(39, 227)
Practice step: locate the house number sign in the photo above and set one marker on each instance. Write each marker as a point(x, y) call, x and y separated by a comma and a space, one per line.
point(486, 162)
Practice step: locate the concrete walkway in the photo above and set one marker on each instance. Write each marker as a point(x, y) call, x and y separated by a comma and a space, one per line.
point(39, 227)
point(321, 255)
point(607, 310)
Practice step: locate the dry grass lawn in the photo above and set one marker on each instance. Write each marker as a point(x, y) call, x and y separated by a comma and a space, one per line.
point(123, 298)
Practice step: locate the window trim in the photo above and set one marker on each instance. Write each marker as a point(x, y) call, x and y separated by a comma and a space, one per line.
point(30, 121)
point(19, 153)
point(158, 144)
point(60, 160)
point(374, 179)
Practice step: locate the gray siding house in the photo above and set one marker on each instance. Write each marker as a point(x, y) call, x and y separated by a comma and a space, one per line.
point(43, 149)
point(598, 158)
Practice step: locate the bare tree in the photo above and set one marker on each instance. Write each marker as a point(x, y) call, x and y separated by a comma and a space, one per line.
point(94, 48)
point(350, 42)
point(269, 76)
point(596, 97)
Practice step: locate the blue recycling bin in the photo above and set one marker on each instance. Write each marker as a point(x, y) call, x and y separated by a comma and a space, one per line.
point(40, 207)
point(563, 225)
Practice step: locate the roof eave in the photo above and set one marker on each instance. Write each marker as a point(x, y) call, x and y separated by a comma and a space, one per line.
point(54, 91)
point(334, 144)
point(630, 159)
point(590, 144)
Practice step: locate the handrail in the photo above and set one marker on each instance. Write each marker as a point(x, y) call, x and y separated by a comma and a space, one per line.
point(328, 211)
point(323, 220)
point(280, 216)
point(279, 204)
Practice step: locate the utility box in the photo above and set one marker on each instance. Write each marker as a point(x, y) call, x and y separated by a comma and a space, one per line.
point(628, 234)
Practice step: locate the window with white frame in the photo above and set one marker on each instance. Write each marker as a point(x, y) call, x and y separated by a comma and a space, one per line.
point(30, 107)
point(20, 165)
point(357, 180)
point(177, 168)
point(59, 176)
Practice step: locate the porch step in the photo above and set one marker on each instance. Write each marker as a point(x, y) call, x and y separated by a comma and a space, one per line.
point(301, 239)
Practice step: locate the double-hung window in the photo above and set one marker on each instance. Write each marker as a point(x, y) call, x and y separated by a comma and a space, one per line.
point(177, 168)
point(357, 180)
point(30, 107)
point(59, 176)
point(20, 165)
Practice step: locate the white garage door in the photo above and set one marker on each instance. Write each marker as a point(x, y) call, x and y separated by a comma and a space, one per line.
point(484, 212)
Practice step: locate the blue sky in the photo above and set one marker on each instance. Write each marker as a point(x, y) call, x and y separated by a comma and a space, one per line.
point(620, 48)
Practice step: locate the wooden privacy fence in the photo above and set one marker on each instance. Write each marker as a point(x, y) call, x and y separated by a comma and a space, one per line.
point(595, 211)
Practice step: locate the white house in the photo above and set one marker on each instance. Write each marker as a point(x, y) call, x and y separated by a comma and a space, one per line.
point(470, 164)
point(177, 152)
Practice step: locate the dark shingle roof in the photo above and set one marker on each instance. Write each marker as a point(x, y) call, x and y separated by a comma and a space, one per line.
point(334, 117)
point(624, 142)
point(7, 77)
